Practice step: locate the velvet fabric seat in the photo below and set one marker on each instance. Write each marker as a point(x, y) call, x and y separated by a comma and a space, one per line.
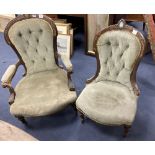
point(46, 87)
point(108, 103)
point(110, 97)
point(51, 95)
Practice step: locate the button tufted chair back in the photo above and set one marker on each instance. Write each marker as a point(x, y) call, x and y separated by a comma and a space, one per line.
point(34, 38)
point(118, 49)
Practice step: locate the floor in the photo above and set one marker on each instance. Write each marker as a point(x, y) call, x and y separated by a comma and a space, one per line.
point(65, 125)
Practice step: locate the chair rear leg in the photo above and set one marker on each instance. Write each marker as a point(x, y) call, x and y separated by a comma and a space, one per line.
point(22, 119)
point(82, 117)
point(74, 107)
point(126, 130)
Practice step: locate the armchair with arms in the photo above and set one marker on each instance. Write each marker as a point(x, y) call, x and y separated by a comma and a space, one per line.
point(46, 87)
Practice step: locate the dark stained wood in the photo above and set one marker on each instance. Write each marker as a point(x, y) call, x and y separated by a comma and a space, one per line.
point(22, 119)
point(74, 108)
point(70, 83)
point(12, 92)
point(126, 130)
point(128, 17)
point(82, 116)
point(53, 16)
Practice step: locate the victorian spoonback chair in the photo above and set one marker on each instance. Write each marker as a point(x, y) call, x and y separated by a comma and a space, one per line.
point(110, 97)
point(46, 87)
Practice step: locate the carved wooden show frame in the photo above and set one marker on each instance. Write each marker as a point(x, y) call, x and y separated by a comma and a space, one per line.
point(137, 60)
point(140, 37)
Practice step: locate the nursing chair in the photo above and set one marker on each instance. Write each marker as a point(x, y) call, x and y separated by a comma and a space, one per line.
point(46, 87)
point(110, 97)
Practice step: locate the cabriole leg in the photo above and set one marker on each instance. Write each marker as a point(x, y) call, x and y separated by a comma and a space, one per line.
point(82, 117)
point(74, 107)
point(126, 130)
point(22, 119)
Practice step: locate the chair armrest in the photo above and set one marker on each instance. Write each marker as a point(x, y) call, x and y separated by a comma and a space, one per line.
point(66, 61)
point(7, 78)
point(8, 75)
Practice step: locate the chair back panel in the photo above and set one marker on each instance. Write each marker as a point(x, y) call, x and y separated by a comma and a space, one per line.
point(118, 51)
point(33, 39)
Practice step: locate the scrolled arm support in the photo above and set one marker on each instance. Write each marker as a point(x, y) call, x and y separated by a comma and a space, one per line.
point(136, 89)
point(70, 83)
point(66, 61)
point(7, 79)
point(12, 92)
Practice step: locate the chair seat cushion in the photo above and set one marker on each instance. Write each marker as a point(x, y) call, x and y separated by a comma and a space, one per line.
point(108, 103)
point(42, 93)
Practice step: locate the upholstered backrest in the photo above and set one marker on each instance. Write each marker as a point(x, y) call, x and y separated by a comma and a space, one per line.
point(33, 39)
point(118, 50)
